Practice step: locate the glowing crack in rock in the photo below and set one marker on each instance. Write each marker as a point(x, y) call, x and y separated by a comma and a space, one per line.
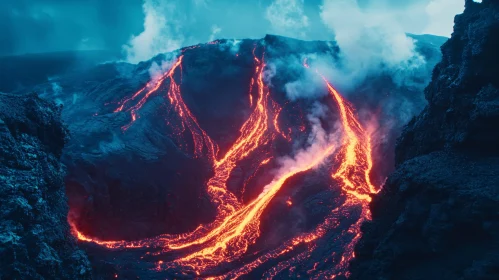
point(237, 226)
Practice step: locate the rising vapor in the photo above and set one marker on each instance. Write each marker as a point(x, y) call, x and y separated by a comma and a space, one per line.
point(161, 32)
point(369, 43)
point(287, 18)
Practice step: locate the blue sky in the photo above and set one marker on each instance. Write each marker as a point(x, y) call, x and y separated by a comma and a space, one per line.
point(54, 25)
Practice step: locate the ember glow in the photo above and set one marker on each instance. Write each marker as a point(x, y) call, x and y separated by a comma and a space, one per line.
point(236, 227)
point(149, 89)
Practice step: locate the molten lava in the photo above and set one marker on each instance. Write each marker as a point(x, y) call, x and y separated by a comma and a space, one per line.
point(237, 225)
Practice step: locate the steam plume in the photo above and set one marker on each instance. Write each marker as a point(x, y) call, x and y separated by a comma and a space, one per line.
point(161, 32)
point(287, 17)
point(369, 42)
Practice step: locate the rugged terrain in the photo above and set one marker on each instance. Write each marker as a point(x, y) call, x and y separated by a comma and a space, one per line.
point(106, 165)
point(134, 178)
point(35, 241)
point(438, 214)
point(134, 174)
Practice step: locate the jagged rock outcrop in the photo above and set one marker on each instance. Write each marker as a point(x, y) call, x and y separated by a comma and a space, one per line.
point(35, 242)
point(463, 104)
point(438, 214)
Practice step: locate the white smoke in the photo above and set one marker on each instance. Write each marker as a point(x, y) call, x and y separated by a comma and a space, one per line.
point(311, 84)
point(201, 3)
point(418, 16)
point(441, 16)
point(287, 17)
point(157, 70)
point(234, 45)
point(299, 88)
point(268, 73)
point(171, 24)
point(318, 142)
point(306, 86)
point(55, 92)
point(369, 43)
point(161, 32)
point(215, 30)
point(56, 89)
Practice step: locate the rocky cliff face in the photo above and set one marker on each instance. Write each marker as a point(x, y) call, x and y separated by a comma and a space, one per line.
point(438, 215)
point(35, 242)
point(462, 96)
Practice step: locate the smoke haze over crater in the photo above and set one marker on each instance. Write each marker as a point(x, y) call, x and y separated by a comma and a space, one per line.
point(144, 28)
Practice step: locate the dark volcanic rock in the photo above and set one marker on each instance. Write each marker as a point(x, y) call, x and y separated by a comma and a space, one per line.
point(436, 219)
point(463, 98)
point(35, 242)
point(144, 182)
point(438, 214)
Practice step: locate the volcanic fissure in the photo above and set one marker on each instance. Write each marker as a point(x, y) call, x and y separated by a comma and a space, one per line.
point(223, 248)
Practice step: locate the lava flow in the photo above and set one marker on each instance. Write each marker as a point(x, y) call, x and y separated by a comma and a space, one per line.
point(237, 226)
point(354, 175)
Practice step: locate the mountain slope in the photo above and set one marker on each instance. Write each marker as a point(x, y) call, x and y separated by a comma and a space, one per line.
point(162, 152)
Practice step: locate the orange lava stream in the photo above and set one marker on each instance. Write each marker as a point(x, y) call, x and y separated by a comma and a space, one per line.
point(253, 134)
point(199, 136)
point(264, 162)
point(355, 157)
point(287, 247)
point(237, 226)
point(133, 110)
point(354, 174)
point(242, 228)
point(277, 113)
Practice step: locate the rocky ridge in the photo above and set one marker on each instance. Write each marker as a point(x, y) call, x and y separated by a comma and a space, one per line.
point(438, 214)
point(35, 242)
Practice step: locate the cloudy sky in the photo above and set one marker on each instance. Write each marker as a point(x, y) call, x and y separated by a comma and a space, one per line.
point(141, 28)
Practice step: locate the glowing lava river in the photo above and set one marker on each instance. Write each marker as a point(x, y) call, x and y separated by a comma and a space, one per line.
point(222, 249)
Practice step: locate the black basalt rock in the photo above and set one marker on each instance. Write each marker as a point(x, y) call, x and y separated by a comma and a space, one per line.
point(438, 214)
point(35, 241)
point(463, 98)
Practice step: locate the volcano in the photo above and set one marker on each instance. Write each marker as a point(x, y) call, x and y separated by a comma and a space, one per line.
point(199, 164)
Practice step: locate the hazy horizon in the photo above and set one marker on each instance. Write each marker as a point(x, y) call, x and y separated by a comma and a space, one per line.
point(142, 28)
